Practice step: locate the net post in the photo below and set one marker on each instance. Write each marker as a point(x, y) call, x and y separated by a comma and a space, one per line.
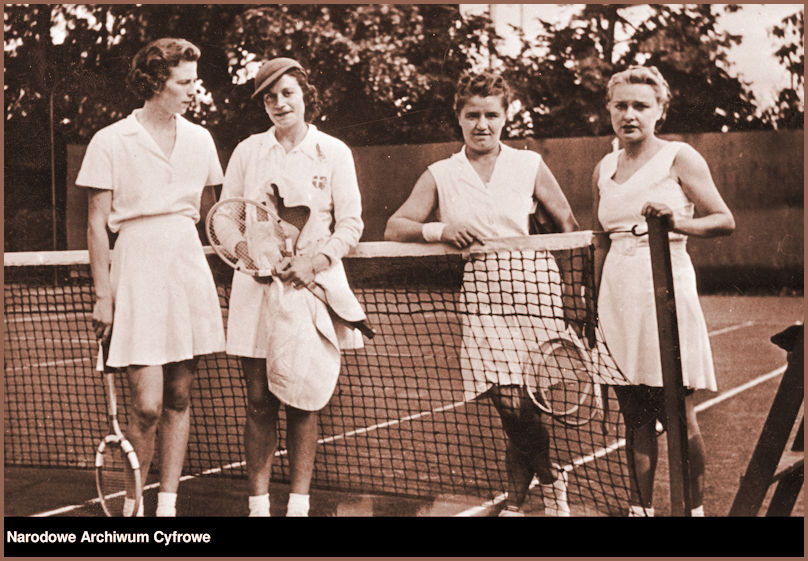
point(670, 355)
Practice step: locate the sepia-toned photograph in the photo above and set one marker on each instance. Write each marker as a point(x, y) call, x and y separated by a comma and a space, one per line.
point(399, 261)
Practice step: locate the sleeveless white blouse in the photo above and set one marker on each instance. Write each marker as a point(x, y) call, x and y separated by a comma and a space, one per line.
point(498, 343)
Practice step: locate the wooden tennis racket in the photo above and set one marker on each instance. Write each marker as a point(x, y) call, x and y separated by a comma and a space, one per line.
point(560, 383)
point(253, 239)
point(117, 470)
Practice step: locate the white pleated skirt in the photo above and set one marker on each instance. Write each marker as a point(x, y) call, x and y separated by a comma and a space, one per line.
point(166, 306)
point(507, 313)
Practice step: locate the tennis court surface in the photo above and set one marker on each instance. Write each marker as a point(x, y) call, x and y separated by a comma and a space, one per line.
point(400, 437)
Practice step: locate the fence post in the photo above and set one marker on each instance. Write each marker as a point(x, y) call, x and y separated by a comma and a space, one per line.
point(670, 355)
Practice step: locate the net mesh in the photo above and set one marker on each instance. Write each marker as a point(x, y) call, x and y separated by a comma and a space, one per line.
point(410, 414)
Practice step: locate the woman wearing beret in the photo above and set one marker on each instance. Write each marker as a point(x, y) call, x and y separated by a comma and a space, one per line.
point(288, 341)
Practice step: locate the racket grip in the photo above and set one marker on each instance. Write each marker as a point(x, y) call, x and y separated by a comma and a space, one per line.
point(364, 328)
point(99, 362)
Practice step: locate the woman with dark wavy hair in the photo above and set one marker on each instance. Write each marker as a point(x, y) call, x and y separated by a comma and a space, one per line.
point(145, 175)
point(489, 190)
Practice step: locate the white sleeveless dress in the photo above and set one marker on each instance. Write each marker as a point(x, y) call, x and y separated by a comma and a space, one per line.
point(626, 306)
point(500, 332)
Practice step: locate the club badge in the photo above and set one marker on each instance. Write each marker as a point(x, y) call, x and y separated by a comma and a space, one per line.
point(319, 181)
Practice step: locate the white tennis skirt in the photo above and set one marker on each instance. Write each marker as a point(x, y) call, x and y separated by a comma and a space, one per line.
point(627, 314)
point(506, 315)
point(166, 306)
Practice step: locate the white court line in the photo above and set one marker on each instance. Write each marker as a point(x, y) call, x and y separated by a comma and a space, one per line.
point(51, 363)
point(475, 510)
point(616, 445)
point(278, 453)
point(738, 389)
point(731, 328)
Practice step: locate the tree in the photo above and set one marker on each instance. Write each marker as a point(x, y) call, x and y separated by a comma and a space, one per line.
point(686, 46)
point(789, 111)
point(385, 72)
point(562, 75)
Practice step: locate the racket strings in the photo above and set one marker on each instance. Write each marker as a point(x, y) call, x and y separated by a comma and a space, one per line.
point(116, 480)
point(561, 384)
point(250, 237)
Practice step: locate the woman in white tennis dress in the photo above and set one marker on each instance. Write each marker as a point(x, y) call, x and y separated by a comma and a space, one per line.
point(145, 175)
point(649, 176)
point(288, 341)
point(489, 190)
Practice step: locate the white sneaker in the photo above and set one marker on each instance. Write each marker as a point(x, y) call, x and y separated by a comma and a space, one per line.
point(555, 496)
point(637, 511)
point(510, 510)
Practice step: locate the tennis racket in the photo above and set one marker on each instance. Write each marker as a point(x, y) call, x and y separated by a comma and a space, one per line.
point(117, 471)
point(253, 239)
point(559, 381)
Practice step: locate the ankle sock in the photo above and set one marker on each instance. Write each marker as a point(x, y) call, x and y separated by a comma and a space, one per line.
point(166, 504)
point(298, 505)
point(259, 505)
point(129, 506)
point(640, 511)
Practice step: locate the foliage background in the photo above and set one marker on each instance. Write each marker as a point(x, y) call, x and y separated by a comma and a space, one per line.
point(386, 75)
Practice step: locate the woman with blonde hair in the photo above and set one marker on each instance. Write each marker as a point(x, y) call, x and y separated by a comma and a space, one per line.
point(648, 176)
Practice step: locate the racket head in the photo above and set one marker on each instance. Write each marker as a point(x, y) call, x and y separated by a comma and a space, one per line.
point(249, 236)
point(559, 381)
point(252, 238)
point(117, 475)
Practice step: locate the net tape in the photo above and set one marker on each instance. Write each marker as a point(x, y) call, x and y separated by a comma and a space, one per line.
point(407, 417)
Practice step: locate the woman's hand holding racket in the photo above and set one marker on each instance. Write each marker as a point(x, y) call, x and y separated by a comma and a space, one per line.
point(253, 239)
point(299, 271)
point(102, 318)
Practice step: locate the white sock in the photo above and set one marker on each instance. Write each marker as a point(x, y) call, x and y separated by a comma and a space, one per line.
point(129, 506)
point(697, 512)
point(554, 496)
point(298, 505)
point(166, 504)
point(640, 511)
point(259, 505)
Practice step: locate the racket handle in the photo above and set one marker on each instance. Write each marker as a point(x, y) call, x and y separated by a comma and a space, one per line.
point(361, 325)
point(99, 363)
point(364, 328)
point(109, 378)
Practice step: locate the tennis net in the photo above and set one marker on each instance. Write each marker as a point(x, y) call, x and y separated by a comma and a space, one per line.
point(409, 415)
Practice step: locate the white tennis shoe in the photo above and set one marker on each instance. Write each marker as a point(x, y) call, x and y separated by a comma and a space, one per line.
point(510, 510)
